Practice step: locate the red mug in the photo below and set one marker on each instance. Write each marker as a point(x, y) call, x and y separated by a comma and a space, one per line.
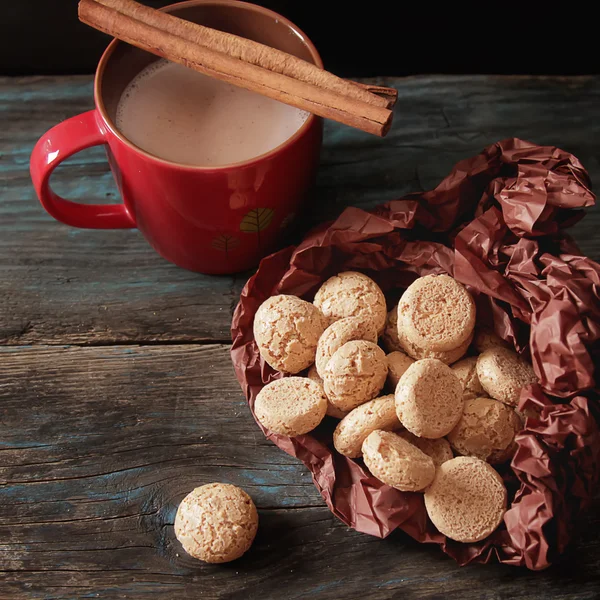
point(214, 220)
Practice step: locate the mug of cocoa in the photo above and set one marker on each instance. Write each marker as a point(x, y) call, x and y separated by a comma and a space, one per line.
point(210, 173)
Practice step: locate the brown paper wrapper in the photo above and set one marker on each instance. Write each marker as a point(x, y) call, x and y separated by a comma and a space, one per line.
point(496, 224)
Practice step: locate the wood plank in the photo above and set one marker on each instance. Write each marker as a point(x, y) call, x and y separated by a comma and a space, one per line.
point(297, 554)
point(102, 417)
point(61, 285)
point(99, 445)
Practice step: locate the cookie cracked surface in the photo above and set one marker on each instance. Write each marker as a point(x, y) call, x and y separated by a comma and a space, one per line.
point(436, 313)
point(429, 399)
point(341, 332)
point(379, 413)
point(352, 294)
point(355, 374)
point(397, 462)
point(486, 430)
point(290, 406)
point(287, 330)
point(466, 500)
point(216, 522)
point(503, 374)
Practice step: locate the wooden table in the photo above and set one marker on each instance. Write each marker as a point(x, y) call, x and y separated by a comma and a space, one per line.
point(117, 395)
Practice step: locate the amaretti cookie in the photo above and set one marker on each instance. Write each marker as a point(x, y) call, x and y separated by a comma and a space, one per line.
point(339, 333)
point(503, 374)
point(332, 411)
point(290, 406)
point(216, 523)
point(397, 362)
point(466, 371)
point(355, 374)
point(351, 431)
point(352, 294)
point(485, 338)
point(438, 450)
point(287, 330)
point(429, 399)
point(436, 313)
point(396, 462)
point(389, 337)
point(466, 500)
point(486, 430)
point(449, 357)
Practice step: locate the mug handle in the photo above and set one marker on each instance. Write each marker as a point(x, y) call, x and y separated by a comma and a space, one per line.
point(58, 144)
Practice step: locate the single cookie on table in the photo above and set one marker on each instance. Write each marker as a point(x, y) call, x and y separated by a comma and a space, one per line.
point(341, 332)
point(216, 522)
point(287, 331)
point(332, 411)
point(351, 431)
point(486, 430)
point(290, 406)
point(397, 362)
point(466, 371)
point(389, 337)
point(396, 462)
point(352, 294)
point(503, 374)
point(485, 339)
point(449, 357)
point(436, 313)
point(466, 500)
point(438, 450)
point(429, 399)
point(355, 374)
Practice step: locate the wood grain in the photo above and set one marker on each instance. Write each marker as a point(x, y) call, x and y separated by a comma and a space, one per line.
point(99, 445)
point(110, 286)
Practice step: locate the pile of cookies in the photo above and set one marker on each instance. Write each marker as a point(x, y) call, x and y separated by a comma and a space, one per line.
point(406, 413)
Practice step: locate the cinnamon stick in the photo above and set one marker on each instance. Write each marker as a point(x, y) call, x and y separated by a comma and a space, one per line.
point(390, 95)
point(247, 50)
point(161, 34)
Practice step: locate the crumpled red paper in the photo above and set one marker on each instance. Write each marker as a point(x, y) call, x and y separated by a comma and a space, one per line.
point(496, 224)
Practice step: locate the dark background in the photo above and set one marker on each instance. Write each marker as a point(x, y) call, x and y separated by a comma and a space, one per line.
point(361, 38)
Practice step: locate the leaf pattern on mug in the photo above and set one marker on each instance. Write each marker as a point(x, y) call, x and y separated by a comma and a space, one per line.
point(256, 220)
point(225, 243)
